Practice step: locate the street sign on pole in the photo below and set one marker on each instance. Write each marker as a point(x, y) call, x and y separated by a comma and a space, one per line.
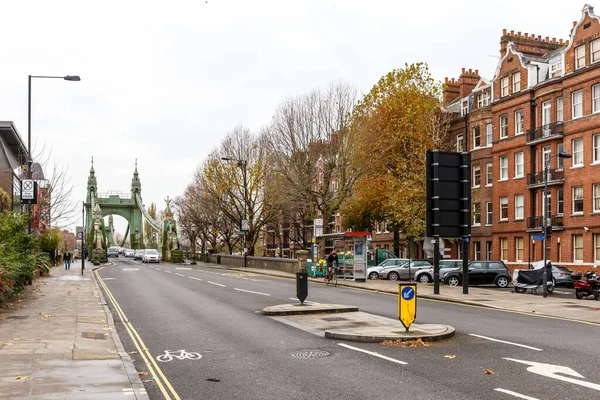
point(538, 237)
point(28, 191)
point(318, 227)
point(245, 225)
point(240, 233)
point(79, 231)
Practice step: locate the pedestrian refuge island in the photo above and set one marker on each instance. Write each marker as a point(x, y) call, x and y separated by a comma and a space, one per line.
point(352, 254)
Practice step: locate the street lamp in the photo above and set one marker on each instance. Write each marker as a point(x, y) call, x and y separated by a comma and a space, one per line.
point(561, 154)
point(244, 165)
point(73, 78)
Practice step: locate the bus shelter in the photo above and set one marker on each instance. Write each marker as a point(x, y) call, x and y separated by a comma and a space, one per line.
point(352, 254)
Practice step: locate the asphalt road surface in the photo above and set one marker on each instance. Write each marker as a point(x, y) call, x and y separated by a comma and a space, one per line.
point(198, 334)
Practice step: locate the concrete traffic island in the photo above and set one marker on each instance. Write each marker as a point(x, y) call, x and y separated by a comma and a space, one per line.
point(350, 324)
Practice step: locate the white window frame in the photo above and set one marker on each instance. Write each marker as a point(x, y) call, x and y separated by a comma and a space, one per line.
point(476, 174)
point(476, 214)
point(580, 56)
point(596, 200)
point(560, 202)
point(559, 109)
point(577, 146)
point(488, 134)
point(483, 99)
point(596, 98)
point(577, 104)
point(503, 168)
point(476, 139)
point(504, 126)
point(596, 248)
point(477, 250)
point(577, 192)
point(516, 82)
point(489, 174)
point(464, 107)
point(596, 150)
point(488, 249)
point(504, 87)
point(460, 142)
point(519, 164)
point(489, 213)
point(504, 249)
point(595, 51)
point(504, 206)
point(519, 248)
point(577, 247)
point(519, 122)
point(556, 69)
point(519, 206)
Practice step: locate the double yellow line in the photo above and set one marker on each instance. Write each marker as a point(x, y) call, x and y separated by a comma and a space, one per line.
point(143, 351)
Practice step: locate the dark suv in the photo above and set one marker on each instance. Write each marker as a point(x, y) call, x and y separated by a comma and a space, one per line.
point(481, 273)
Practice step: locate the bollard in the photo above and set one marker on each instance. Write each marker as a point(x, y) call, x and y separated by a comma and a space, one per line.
point(302, 276)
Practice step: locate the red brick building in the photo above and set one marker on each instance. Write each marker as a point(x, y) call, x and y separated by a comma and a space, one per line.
point(544, 98)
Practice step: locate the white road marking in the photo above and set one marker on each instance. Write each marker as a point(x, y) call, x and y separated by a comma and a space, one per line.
point(250, 291)
point(168, 272)
point(372, 353)
point(215, 283)
point(179, 274)
point(191, 277)
point(184, 268)
point(158, 269)
point(504, 341)
point(109, 279)
point(518, 395)
point(553, 371)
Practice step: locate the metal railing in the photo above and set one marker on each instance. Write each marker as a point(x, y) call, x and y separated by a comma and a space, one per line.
point(554, 175)
point(545, 131)
point(556, 221)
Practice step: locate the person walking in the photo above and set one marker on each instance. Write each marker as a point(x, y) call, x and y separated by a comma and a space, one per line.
point(67, 258)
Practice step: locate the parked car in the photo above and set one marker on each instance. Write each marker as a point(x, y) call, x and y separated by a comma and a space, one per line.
point(403, 271)
point(561, 276)
point(373, 272)
point(150, 255)
point(138, 254)
point(112, 252)
point(129, 253)
point(481, 273)
point(426, 275)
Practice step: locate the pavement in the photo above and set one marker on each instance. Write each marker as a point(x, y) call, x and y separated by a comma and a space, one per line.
point(58, 339)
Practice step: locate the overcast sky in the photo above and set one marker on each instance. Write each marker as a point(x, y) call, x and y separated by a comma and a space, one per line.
point(164, 82)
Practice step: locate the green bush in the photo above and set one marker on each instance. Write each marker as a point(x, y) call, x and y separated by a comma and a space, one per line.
point(17, 263)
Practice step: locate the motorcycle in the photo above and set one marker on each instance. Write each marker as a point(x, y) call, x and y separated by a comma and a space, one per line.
point(588, 287)
point(533, 279)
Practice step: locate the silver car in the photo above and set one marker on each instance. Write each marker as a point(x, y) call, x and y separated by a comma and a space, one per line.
point(373, 272)
point(426, 275)
point(403, 272)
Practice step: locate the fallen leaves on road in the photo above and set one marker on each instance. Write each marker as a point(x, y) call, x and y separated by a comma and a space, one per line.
point(450, 357)
point(22, 377)
point(143, 373)
point(43, 314)
point(133, 352)
point(489, 372)
point(148, 381)
point(405, 343)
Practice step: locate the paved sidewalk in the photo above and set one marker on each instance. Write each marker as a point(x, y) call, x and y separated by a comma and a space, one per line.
point(581, 310)
point(58, 341)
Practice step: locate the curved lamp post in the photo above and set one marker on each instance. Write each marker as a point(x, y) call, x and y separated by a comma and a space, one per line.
point(73, 78)
point(561, 154)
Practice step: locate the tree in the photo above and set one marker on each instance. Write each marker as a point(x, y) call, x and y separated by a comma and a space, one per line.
point(5, 203)
point(395, 124)
point(234, 179)
point(310, 146)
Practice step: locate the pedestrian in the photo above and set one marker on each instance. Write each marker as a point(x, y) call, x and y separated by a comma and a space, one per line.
point(330, 260)
point(67, 258)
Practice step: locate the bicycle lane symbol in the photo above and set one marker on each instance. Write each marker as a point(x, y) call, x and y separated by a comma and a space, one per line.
point(179, 354)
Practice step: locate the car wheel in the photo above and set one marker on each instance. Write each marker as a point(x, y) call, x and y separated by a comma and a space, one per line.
point(520, 289)
point(373, 275)
point(453, 281)
point(393, 276)
point(502, 281)
point(424, 278)
point(553, 282)
point(550, 288)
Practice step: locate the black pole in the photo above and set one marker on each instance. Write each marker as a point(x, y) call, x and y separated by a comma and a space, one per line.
point(436, 266)
point(29, 158)
point(245, 165)
point(409, 254)
point(465, 244)
point(83, 238)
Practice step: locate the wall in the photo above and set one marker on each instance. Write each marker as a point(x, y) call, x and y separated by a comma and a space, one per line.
point(270, 263)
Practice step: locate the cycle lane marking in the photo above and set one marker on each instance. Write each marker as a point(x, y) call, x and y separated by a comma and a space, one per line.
point(215, 283)
point(251, 291)
point(139, 344)
point(372, 353)
point(194, 278)
point(505, 342)
point(179, 274)
point(518, 395)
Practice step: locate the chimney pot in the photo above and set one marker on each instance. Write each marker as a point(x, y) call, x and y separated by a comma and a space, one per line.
point(477, 72)
point(553, 40)
point(519, 34)
point(532, 36)
point(525, 35)
point(503, 32)
point(560, 41)
point(446, 79)
point(512, 33)
point(539, 38)
point(470, 71)
point(547, 39)
point(574, 24)
point(463, 70)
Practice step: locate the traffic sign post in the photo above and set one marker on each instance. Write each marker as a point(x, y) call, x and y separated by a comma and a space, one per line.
point(407, 304)
point(28, 191)
point(538, 237)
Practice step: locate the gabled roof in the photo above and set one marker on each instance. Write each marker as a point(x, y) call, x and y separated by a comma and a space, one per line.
point(511, 48)
point(13, 142)
point(586, 9)
point(482, 84)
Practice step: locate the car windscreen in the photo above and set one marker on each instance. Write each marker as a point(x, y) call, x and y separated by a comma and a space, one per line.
point(151, 252)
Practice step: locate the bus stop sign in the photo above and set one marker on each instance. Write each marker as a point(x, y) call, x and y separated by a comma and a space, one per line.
point(407, 304)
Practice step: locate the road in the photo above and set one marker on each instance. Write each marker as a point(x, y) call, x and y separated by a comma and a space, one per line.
point(214, 312)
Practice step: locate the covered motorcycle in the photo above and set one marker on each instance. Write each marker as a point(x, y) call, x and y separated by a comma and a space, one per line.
point(533, 278)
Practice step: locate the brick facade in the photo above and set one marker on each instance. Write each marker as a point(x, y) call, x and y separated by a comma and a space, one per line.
point(534, 77)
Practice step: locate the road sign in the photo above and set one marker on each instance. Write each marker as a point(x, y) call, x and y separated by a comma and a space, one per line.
point(240, 233)
point(319, 231)
point(28, 192)
point(538, 237)
point(79, 231)
point(245, 225)
point(407, 304)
